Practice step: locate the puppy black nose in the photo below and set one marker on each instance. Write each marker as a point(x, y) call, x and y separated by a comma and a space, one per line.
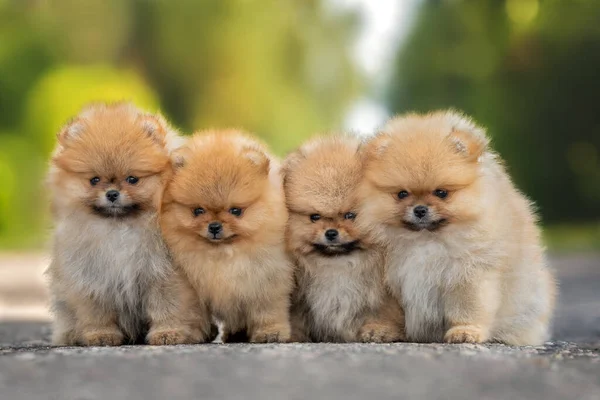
point(420, 211)
point(215, 227)
point(331, 234)
point(112, 195)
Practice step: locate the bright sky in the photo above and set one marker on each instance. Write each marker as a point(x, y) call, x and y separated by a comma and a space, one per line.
point(385, 25)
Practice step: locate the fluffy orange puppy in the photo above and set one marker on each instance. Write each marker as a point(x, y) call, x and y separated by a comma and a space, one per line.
point(111, 277)
point(340, 294)
point(224, 219)
point(466, 259)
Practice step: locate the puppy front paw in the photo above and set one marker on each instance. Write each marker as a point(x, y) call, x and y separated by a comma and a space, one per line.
point(465, 334)
point(164, 337)
point(102, 338)
point(378, 333)
point(276, 334)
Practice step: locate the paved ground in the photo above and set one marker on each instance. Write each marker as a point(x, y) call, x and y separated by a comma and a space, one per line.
point(567, 368)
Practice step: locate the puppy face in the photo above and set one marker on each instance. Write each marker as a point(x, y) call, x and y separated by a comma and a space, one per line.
point(111, 162)
point(219, 193)
point(423, 172)
point(320, 182)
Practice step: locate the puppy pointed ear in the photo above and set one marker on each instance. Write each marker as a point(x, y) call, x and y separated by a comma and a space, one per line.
point(178, 158)
point(291, 161)
point(155, 127)
point(375, 146)
point(257, 157)
point(71, 131)
point(466, 137)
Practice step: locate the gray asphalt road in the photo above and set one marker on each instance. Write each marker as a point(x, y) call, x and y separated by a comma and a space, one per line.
point(567, 368)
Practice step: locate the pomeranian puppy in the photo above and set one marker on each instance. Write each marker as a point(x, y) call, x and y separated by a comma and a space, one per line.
point(111, 277)
point(224, 218)
point(340, 294)
point(466, 260)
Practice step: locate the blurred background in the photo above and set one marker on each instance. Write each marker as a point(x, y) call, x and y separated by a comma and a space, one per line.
point(287, 69)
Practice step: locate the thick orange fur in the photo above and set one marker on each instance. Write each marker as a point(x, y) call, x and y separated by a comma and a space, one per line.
point(340, 294)
point(470, 266)
point(243, 277)
point(111, 277)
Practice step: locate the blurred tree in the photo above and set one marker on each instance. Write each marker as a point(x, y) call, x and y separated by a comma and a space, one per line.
point(85, 32)
point(8, 192)
point(527, 70)
point(280, 69)
point(22, 206)
point(23, 58)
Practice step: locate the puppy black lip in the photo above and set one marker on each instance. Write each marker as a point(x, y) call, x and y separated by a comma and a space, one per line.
point(431, 226)
point(216, 241)
point(117, 212)
point(337, 249)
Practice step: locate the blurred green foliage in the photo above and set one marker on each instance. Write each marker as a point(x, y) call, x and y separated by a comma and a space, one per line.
point(278, 68)
point(573, 237)
point(527, 70)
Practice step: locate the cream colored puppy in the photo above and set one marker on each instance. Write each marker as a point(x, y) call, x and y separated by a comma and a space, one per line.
point(340, 294)
point(111, 277)
point(466, 259)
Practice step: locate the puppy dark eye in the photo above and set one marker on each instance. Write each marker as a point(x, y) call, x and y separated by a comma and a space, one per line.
point(349, 215)
point(94, 181)
point(441, 193)
point(198, 211)
point(132, 180)
point(315, 217)
point(402, 194)
point(235, 211)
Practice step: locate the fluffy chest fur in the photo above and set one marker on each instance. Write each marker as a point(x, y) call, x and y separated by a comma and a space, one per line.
point(114, 261)
point(338, 291)
point(230, 279)
point(421, 270)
